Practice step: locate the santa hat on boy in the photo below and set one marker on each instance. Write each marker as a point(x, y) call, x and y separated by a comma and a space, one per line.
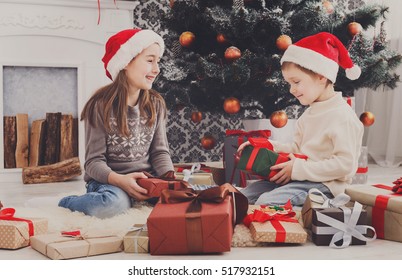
point(122, 47)
point(322, 53)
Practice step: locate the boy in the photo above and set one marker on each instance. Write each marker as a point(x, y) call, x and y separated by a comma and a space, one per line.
point(328, 132)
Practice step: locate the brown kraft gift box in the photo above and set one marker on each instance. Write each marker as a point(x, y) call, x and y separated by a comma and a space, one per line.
point(58, 247)
point(266, 232)
point(275, 224)
point(136, 240)
point(195, 223)
point(384, 209)
point(15, 233)
point(316, 199)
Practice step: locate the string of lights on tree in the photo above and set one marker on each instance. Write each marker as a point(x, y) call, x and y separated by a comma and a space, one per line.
point(225, 55)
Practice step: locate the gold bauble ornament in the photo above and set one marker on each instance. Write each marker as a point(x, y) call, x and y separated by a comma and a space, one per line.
point(279, 119)
point(187, 38)
point(232, 53)
point(354, 28)
point(231, 105)
point(221, 39)
point(196, 116)
point(283, 42)
point(208, 142)
point(367, 118)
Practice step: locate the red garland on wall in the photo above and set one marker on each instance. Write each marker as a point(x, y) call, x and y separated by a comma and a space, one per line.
point(99, 9)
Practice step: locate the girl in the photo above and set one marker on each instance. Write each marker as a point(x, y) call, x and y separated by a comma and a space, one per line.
point(125, 127)
point(328, 132)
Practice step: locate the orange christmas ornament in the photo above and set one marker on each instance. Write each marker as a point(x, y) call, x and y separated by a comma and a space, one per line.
point(283, 42)
point(186, 39)
point(231, 105)
point(220, 38)
point(196, 116)
point(279, 119)
point(232, 53)
point(354, 28)
point(208, 142)
point(367, 118)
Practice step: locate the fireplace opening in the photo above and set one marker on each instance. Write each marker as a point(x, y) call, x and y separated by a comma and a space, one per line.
point(40, 115)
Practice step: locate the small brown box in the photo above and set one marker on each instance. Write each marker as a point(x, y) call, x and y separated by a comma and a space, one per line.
point(136, 240)
point(15, 234)
point(266, 232)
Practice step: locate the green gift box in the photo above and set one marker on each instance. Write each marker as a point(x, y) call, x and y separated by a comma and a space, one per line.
point(258, 158)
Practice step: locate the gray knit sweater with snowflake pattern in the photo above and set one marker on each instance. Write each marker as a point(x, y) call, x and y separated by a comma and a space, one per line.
point(146, 149)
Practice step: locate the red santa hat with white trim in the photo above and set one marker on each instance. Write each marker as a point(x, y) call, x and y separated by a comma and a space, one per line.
point(122, 47)
point(322, 53)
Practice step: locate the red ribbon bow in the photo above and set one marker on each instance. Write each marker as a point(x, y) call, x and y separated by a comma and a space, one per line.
point(252, 133)
point(7, 214)
point(99, 15)
point(397, 188)
point(275, 219)
point(261, 143)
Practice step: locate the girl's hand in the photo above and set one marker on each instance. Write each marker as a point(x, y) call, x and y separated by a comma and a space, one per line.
point(241, 147)
point(128, 183)
point(285, 171)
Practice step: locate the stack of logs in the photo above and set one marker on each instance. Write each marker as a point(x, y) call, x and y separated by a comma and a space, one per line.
point(50, 154)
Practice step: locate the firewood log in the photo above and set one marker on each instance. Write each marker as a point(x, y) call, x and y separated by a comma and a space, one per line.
point(57, 172)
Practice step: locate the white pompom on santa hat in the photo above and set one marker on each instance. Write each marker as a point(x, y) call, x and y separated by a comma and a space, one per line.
point(322, 53)
point(122, 47)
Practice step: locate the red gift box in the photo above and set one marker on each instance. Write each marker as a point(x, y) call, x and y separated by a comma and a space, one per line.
point(195, 223)
point(155, 185)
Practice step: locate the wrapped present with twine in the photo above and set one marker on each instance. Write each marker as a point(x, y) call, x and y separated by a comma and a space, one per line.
point(74, 244)
point(136, 240)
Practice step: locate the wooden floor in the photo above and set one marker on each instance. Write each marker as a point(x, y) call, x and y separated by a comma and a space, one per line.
point(15, 194)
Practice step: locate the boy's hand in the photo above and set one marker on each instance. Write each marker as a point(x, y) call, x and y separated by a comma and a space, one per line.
point(241, 147)
point(285, 171)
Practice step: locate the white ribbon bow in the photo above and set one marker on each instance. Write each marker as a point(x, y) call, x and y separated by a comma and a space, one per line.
point(325, 202)
point(344, 230)
point(196, 167)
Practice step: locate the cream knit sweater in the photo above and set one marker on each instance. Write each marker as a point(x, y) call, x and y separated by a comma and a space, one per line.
point(330, 134)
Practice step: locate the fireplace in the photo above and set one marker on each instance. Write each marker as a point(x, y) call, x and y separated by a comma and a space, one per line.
point(55, 37)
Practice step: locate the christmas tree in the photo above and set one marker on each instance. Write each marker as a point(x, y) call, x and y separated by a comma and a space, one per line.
point(226, 53)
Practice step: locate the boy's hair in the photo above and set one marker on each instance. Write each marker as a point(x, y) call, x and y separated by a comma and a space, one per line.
point(112, 99)
point(286, 64)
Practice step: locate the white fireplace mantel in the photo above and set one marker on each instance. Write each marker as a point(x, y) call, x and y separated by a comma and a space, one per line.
point(59, 33)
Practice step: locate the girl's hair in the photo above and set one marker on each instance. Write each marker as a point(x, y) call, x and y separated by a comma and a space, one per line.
point(112, 99)
point(286, 64)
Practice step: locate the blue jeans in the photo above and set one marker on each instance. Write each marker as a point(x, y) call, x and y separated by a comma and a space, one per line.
point(268, 193)
point(101, 200)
